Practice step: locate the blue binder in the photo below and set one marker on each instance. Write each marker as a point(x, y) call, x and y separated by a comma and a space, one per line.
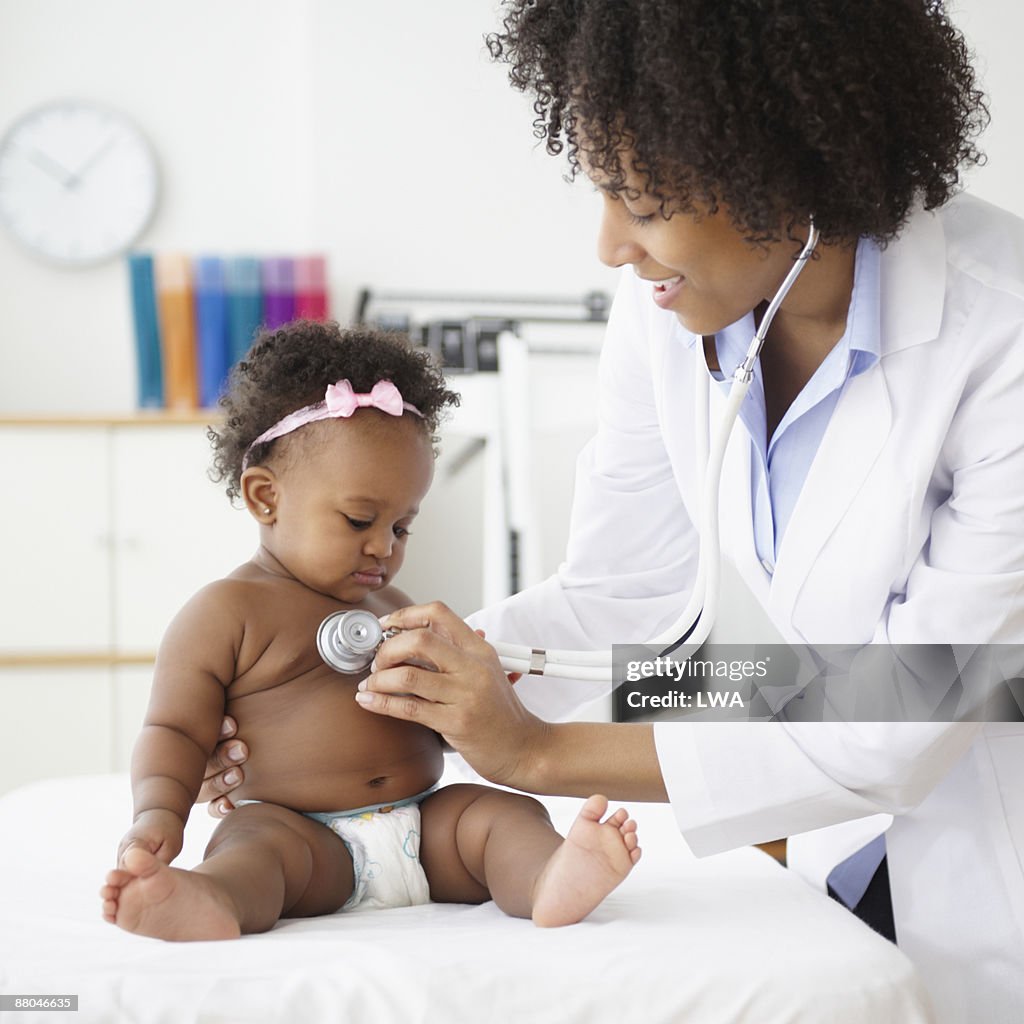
point(149, 369)
point(245, 303)
point(212, 339)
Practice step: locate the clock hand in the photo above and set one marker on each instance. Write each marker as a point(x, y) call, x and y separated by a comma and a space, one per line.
point(54, 169)
point(91, 161)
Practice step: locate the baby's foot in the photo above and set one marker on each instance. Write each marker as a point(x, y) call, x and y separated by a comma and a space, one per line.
point(147, 897)
point(592, 860)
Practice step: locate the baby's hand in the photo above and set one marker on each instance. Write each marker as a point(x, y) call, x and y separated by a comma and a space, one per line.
point(159, 831)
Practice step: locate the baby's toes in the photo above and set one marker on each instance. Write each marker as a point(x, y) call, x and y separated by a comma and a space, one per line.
point(110, 910)
point(618, 818)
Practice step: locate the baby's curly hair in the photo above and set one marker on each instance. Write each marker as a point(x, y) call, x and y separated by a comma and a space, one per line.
point(289, 368)
point(850, 110)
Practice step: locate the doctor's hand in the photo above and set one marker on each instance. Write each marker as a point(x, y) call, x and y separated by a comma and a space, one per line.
point(464, 694)
point(223, 771)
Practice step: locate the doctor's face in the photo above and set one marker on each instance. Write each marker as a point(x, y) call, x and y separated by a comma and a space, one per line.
point(699, 264)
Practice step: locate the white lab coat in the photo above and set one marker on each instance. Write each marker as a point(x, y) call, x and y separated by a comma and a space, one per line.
point(909, 529)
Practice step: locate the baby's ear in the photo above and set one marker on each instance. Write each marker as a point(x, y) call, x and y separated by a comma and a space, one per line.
point(260, 493)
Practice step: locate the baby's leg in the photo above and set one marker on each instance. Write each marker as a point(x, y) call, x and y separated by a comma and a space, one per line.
point(479, 842)
point(263, 863)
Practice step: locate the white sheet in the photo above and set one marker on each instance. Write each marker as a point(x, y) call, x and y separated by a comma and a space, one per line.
point(734, 938)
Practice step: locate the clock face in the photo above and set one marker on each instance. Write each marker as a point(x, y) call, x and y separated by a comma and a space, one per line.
point(78, 182)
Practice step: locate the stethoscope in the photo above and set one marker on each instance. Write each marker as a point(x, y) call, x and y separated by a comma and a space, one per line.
point(348, 641)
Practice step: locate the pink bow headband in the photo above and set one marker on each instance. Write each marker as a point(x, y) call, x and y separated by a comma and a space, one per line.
point(340, 402)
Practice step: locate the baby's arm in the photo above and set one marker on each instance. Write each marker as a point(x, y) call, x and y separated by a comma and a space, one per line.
point(195, 664)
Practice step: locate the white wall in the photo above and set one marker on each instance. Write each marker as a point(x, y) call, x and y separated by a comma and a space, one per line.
point(379, 133)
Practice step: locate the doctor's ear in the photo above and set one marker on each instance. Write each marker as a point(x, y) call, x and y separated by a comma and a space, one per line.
point(259, 489)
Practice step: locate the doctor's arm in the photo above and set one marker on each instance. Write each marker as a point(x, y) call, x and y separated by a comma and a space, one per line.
point(469, 701)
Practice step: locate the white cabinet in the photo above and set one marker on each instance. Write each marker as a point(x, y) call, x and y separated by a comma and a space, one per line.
point(55, 520)
point(174, 531)
point(110, 525)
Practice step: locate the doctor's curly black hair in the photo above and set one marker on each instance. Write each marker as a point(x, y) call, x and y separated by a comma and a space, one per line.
point(850, 110)
point(291, 367)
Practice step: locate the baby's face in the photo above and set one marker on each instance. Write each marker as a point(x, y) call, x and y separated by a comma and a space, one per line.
point(346, 501)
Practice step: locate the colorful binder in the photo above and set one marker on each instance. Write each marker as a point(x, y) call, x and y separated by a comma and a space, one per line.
point(213, 345)
point(177, 330)
point(278, 278)
point(245, 303)
point(311, 288)
point(149, 372)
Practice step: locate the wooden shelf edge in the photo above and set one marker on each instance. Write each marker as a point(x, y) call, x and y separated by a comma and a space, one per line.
point(74, 659)
point(140, 418)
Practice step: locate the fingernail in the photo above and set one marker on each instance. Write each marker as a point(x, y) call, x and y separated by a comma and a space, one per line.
point(236, 753)
point(362, 684)
point(231, 777)
point(364, 698)
point(222, 807)
point(225, 728)
point(373, 665)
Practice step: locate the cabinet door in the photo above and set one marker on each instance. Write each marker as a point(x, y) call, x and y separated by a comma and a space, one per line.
point(175, 530)
point(55, 593)
point(55, 721)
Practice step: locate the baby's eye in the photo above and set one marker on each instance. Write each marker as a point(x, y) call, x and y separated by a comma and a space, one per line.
point(401, 531)
point(359, 524)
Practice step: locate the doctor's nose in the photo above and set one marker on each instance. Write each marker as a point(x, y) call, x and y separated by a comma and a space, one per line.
point(616, 239)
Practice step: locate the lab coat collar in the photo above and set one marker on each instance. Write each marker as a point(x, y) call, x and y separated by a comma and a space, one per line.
point(913, 284)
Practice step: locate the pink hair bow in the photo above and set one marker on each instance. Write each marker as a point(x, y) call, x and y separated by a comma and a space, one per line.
point(341, 400)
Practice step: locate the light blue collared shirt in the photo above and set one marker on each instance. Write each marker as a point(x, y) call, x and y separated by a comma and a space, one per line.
point(780, 466)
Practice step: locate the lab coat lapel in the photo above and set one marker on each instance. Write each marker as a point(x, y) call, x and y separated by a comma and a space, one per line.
point(912, 287)
point(855, 436)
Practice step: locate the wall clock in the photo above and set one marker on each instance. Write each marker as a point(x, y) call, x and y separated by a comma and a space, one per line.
point(78, 182)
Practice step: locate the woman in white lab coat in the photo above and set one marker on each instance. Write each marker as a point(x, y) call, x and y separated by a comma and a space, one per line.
point(874, 490)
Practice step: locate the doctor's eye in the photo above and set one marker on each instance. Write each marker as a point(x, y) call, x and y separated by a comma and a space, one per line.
point(401, 532)
point(639, 220)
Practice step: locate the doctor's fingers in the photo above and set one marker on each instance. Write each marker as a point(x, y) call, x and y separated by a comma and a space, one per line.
point(435, 650)
point(431, 699)
point(435, 617)
point(421, 664)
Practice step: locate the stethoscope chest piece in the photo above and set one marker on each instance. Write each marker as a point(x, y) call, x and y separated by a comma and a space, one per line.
point(348, 641)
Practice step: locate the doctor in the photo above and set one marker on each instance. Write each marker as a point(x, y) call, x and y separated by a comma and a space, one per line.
point(873, 491)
